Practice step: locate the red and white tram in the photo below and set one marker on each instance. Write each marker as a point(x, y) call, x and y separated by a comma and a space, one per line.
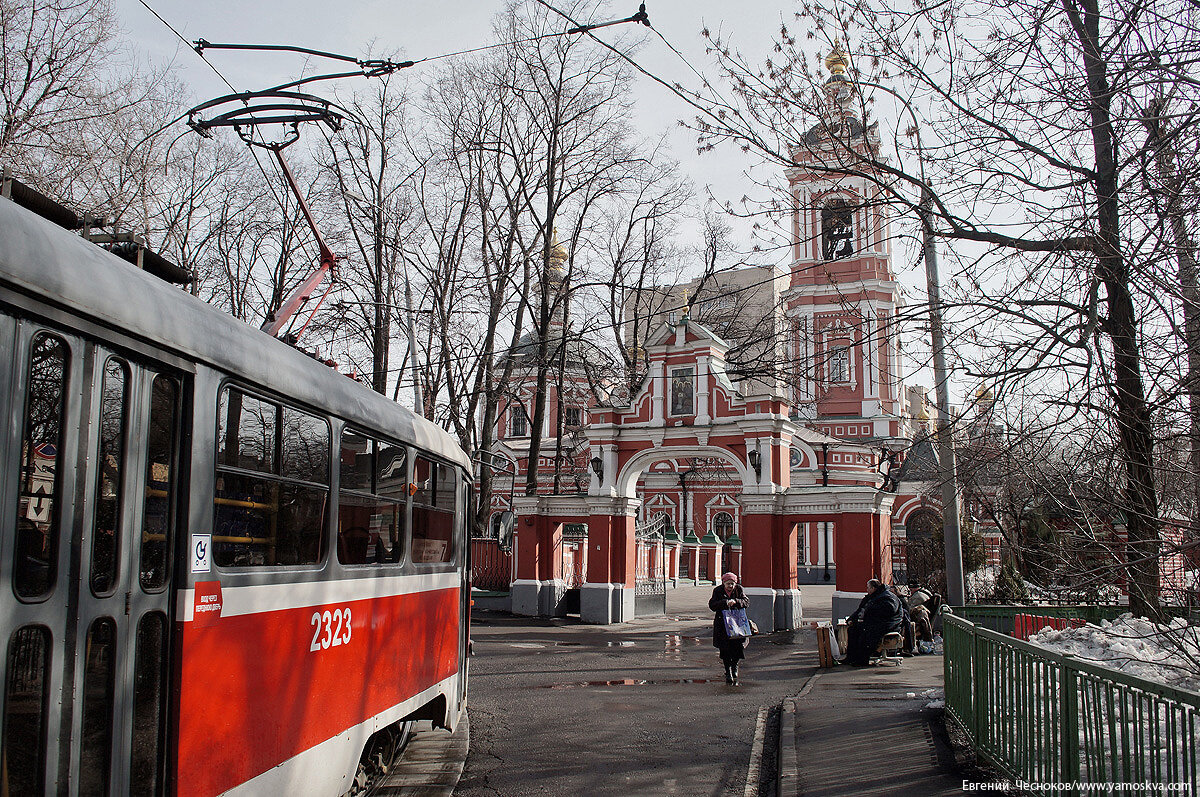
point(224, 567)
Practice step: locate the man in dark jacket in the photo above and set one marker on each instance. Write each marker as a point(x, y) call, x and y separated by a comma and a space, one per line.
point(878, 614)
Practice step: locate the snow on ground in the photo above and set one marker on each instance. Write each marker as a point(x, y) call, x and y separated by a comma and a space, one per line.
point(1168, 654)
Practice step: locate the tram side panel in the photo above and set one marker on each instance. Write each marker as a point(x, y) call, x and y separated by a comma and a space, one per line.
point(262, 687)
point(283, 676)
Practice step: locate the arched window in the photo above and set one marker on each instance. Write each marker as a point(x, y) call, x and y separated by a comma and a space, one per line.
point(722, 525)
point(837, 229)
point(668, 524)
point(494, 529)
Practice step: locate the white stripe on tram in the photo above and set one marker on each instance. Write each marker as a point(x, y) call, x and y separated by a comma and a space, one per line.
point(258, 598)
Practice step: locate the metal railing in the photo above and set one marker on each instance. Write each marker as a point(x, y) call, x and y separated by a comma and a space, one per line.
point(491, 565)
point(1043, 717)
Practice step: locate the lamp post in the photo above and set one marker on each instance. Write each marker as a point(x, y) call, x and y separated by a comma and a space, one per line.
point(955, 582)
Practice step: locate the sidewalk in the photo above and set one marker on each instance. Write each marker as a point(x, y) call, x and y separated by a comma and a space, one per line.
point(866, 731)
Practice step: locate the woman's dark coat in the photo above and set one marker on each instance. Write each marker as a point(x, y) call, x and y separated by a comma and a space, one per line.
point(731, 649)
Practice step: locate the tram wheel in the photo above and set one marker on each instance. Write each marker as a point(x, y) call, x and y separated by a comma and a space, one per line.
point(380, 754)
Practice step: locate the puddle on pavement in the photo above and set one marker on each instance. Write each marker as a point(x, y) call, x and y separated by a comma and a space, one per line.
point(568, 644)
point(633, 682)
point(674, 644)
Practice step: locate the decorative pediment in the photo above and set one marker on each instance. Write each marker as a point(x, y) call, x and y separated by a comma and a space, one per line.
point(692, 332)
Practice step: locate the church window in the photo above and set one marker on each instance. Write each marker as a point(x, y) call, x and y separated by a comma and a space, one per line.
point(723, 525)
point(839, 364)
point(519, 420)
point(572, 416)
point(683, 389)
point(837, 229)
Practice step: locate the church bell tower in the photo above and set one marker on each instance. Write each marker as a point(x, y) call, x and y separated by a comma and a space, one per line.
point(842, 300)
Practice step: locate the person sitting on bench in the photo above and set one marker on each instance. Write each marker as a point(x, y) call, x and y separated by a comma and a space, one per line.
point(877, 615)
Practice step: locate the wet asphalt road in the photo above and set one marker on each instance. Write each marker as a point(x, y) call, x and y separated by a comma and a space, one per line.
point(561, 708)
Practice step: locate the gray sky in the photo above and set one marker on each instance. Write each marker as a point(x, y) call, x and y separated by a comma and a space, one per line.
point(421, 29)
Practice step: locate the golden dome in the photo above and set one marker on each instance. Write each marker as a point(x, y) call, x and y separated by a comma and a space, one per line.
point(558, 252)
point(836, 61)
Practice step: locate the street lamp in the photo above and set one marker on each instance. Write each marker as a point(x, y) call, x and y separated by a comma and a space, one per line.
point(955, 582)
point(755, 461)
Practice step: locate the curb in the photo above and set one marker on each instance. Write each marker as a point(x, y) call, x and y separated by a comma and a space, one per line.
point(754, 770)
point(788, 760)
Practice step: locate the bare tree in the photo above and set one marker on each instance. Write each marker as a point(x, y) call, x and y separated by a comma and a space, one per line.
point(1029, 129)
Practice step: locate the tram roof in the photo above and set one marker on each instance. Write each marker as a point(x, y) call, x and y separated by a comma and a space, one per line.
point(40, 259)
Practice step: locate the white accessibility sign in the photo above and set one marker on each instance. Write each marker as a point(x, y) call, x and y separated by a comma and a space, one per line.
point(201, 553)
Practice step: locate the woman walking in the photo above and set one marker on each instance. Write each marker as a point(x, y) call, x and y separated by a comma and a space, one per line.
point(728, 596)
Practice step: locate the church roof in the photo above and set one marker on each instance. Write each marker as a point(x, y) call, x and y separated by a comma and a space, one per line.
point(580, 352)
point(921, 462)
point(665, 331)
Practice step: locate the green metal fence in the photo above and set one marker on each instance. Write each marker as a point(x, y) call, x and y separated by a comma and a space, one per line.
point(1001, 617)
point(1041, 717)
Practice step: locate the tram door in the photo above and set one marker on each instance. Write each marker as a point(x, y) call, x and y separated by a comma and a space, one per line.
point(88, 561)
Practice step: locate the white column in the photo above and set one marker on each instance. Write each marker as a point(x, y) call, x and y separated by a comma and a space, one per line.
point(702, 392)
point(657, 389)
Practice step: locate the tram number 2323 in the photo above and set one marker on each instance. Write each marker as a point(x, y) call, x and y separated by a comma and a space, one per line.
point(330, 629)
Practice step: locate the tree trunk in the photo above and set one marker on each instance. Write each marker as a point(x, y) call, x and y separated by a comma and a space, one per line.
point(1132, 412)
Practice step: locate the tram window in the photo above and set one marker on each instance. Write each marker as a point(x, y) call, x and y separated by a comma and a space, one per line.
point(272, 520)
point(267, 522)
point(95, 748)
point(371, 516)
point(391, 477)
point(357, 454)
point(433, 512)
point(158, 520)
point(149, 703)
point(246, 438)
point(370, 530)
point(38, 515)
point(26, 696)
point(305, 447)
point(109, 464)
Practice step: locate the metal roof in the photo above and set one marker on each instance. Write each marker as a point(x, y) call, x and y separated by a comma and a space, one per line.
point(39, 259)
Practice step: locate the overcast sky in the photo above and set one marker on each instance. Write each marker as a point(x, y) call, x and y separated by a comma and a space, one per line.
point(422, 29)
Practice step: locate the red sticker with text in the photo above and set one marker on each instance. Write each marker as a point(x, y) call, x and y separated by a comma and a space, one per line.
point(206, 609)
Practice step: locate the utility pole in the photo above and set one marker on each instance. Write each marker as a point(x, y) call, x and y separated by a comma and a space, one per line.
point(956, 592)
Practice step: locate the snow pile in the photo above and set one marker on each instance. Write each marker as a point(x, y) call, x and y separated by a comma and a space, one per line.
point(936, 698)
point(1168, 654)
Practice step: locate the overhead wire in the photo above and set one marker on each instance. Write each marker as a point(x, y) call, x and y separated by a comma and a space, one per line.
point(188, 43)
